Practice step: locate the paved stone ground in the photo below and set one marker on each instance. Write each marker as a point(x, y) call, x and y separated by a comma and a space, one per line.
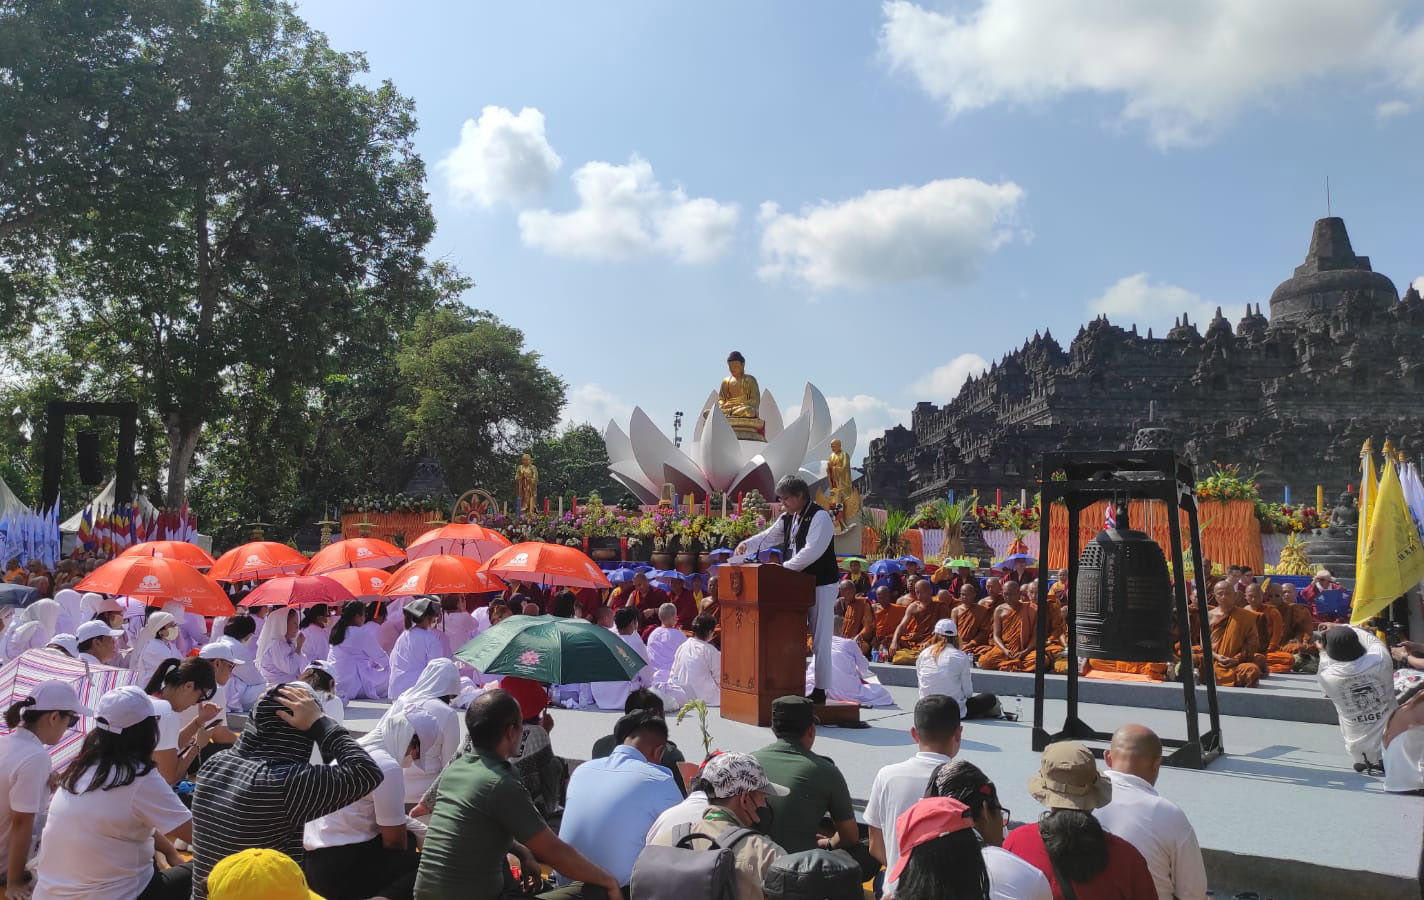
point(1282, 813)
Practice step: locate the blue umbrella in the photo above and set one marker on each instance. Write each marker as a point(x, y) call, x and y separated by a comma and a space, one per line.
point(667, 575)
point(642, 567)
point(886, 567)
point(1012, 558)
point(768, 553)
point(721, 554)
point(911, 559)
point(17, 594)
point(621, 576)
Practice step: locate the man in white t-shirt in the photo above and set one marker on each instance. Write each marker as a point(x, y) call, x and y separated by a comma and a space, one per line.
point(897, 786)
point(1156, 826)
point(1010, 878)
point(1357, 674)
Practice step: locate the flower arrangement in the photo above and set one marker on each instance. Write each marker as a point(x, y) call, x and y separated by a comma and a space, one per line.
point(1281, 518)
point(1226, 482)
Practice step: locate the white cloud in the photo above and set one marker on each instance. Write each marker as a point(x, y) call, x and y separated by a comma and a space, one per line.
point(940, 231)
point(1135, 299)
point(624, 212)
point(1182, 70)
point(1419, 284)
point(873, 417)
point(1391, 109)
point(941, 384)
point(594, 404)
point(502, 158)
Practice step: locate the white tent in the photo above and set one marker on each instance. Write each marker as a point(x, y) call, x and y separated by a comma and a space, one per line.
point(9, 503)
point(103, 502)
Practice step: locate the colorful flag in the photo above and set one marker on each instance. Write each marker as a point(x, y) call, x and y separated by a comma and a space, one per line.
point(1393, 561)
point(1413, 493)
point(1110, 516)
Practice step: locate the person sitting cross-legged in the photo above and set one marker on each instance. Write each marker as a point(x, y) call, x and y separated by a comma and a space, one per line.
point(917, 626)
point(737, 790)
point(664, 641)
point(696, 667)
point(942, 668)
point(1011, 643)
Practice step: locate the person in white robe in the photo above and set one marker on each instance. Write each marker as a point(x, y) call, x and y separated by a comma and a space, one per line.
point(696, 668)
point(154, 644)
point(192, 628)
point(664, 641)
point(71, 611)
point(392, 625)
point(355, 658)
point(279, 647)
point(851, 678)
point(613, 694)
point(416, 646)
point(316, 631)
point(32, 628)
point(431, 694)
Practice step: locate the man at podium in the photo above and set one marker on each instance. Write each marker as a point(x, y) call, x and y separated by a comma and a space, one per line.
point(804, 536)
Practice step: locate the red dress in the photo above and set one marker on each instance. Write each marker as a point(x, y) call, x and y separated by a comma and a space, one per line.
point(1125, 877)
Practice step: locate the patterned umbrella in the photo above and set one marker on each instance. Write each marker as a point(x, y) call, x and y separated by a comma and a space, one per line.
point(20, 675)
point(470, 540)
point(362, 583)
point(182, 551)
point(256, 560)
point(368, 552)
point(552, 650)
point(298, 590)
point(547, 564)
point(157, 580)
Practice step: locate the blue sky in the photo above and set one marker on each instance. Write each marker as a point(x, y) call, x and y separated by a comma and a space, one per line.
point(877, 199)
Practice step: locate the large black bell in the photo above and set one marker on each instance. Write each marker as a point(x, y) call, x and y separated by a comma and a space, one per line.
point(1124, 598)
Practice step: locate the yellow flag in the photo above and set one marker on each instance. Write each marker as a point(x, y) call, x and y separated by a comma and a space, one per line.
point(1368, 486)
point(1394, 559)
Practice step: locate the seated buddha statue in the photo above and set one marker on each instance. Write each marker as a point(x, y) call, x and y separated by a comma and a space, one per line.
point(740, 398)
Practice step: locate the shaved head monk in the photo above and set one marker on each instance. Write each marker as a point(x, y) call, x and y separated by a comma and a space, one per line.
point(1012, 637)
point(917, 626)
point(994, 585)
point(971, 620)
point(1156, 826)
point(1233, 639)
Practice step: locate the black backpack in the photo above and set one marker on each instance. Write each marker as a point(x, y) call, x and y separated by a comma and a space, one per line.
point(681, 873)
point(814, 875)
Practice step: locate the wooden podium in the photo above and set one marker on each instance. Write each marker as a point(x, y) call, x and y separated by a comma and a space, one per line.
point(764, 610)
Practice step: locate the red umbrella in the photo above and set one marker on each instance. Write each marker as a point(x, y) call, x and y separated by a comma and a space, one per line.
point(257, 560)
point(369, 552)
point(182, 551)
point(157, 580)
point(297, 590)
point(360, 582)
point(473, 541)
point(441, 575)
point(547, 564)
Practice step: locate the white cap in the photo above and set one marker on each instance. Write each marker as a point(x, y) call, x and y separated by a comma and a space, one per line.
point(123, 707)
point(95, 628)
point(946, 628)
point(68, 642)
point(219, 649)
point(50, 696)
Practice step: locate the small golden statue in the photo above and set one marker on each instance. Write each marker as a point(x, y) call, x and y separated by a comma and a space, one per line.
point(740, 399)
point(843, 502)
point(526, 485)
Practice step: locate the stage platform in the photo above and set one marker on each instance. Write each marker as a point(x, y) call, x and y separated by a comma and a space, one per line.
point(1282, 813)
point(1293, 698)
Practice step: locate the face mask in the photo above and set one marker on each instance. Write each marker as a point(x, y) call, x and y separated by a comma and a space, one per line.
point(168, 633)
point(764, 818)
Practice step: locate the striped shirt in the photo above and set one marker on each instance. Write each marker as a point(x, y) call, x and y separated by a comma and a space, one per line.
point(264, 790)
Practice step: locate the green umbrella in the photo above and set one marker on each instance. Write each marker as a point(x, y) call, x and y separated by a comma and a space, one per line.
point(962, 564)
point(856, 559)
point(552, 650)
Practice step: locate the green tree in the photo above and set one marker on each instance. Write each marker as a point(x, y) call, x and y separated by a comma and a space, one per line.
point(574, 463)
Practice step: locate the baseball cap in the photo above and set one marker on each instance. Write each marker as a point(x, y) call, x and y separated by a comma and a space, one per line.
point(68, 642)
point(52, 696)
point(121, 708)
point(946, 628)
point(730, 774)
point(930, 818)
point(1068, 778)
point(793, 714)
point(258, 874)
point(95, 628)
point(219, 649)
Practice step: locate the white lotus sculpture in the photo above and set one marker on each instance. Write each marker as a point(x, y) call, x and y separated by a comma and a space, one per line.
point(643, 459)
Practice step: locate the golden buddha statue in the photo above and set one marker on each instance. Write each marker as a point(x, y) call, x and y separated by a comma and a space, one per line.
point(843, 501)
point(526, 485)
point(740, 398)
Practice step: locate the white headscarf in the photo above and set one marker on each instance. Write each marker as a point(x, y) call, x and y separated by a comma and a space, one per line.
point(393, 737)
point(274, 629)
point(70, 610)
point(156, 623)
point(439, 679)
point(89, 606)
point(44, 611)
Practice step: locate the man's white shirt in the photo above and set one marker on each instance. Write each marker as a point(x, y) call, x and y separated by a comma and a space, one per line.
point(818, 538)
point(1159, 830)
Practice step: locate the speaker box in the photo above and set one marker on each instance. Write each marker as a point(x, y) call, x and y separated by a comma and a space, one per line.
point(91, 469)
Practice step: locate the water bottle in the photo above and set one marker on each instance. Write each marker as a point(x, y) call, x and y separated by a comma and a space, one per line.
point(1018, 707)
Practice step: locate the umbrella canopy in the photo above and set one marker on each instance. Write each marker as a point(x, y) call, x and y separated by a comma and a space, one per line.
point(19, 676)
point(157, 580)
point(910, 559)
point(621, 576)
point(469, 540)
point(854, 559)
point(1012, 558)
point(256, 560)
point(886, 567)
point(962, 563)
point(19, 594)
point(547, 564)
point(182, 551)
point(667, 576)
point(368, 552)
point(361, 583)
point(441, 575)
point(552, 650)
point(298, 590)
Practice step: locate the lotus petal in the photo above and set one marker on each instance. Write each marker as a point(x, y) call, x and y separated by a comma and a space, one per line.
point(755, 475)
point(784, 453)
point(656, 454)
point(719, 451)
point(631, 477)
point(814, 403)
point(701, 418)
point(620, 449)
point(770, 413)
point(822, 451)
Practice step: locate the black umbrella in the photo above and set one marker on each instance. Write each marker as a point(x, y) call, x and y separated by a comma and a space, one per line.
point(17, 594)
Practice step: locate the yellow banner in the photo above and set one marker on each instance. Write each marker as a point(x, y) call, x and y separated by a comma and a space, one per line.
point(1368, 486)
point(1394, 559)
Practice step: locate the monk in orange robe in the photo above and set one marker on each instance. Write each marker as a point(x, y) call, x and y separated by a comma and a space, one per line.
point(913, 631)
point(858, 619)
point(887, 617)
point(1234, 642)
point(1270, 633)
point(1012, 642)
point(972, 622)
point(1297, 618)
point(994, 585)
point(15, 573)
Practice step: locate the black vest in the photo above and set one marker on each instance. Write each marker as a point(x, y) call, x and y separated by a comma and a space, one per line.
point(824, 569)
